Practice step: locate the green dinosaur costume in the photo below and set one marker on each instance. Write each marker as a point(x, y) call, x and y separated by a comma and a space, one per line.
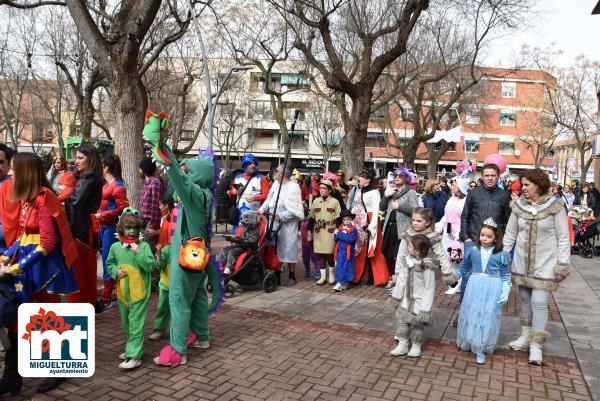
point(188, 299)
point(163, 311)
point(133, 291)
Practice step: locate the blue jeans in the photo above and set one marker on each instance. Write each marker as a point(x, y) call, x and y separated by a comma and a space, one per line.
point(463, 284)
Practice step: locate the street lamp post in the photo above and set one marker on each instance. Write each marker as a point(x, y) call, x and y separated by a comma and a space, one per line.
point(213, 102)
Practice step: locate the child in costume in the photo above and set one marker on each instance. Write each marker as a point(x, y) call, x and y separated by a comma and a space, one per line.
point(249, 233)
point(188, 299)
point(487, 291)
point(130, 261)
point(163, 253)
point(415, 283)
point(345, 238)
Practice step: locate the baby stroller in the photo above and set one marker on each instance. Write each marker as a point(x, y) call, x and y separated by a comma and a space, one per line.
point(587, 228)
point(257, 264)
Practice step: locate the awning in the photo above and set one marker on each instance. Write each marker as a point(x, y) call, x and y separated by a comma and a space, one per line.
point(452, 135)
point(294, 79)
point(298, 133)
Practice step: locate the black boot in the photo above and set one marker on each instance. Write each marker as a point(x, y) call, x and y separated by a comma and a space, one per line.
point(11, 381)
point(50, 383)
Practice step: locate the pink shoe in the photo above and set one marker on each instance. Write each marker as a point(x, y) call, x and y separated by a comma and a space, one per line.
point(169, 357)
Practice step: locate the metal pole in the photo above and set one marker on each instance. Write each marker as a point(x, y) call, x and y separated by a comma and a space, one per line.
point(206, 74)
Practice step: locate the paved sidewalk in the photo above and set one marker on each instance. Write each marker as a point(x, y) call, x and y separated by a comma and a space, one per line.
point(578, 301)
point(258, 355)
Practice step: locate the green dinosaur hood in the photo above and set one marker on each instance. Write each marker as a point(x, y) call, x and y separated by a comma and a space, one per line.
point(201, 171)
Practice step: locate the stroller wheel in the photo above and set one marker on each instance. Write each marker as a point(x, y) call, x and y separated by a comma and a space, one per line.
point(588, 253)
point(574, 250)
point(269, 282)
point(209, 287)
point(229, 291)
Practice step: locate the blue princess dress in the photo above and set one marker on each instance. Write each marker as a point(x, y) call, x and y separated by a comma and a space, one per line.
point(486, 293)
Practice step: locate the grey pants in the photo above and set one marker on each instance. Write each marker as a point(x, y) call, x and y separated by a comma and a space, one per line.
point(534, 306)
point(413, 331)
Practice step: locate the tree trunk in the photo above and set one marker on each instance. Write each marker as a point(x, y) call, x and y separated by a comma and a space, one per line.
point(87, 115)
point(129, 102)
point(353, 145)
point(409, 155)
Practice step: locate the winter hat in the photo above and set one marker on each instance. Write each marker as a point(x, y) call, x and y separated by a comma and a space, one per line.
point(147, 166)
point(463, 185)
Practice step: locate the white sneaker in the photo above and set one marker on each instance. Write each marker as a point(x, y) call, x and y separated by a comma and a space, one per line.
point(227, 271)
point(122, 356)
point(156, 335)
point(401, 348)
point(451, 291)
point(199, 344)
point(130, 364)
point(337, 287)
point(480, 359)
point(415, 351)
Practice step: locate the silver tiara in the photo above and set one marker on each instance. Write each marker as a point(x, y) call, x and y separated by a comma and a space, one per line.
point(490, 222)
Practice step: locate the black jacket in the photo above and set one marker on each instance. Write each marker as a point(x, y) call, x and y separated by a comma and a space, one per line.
point(84, 201)
point(482, 203)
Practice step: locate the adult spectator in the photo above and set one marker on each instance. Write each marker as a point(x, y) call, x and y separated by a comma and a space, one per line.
point(443, 181)
point(577, 192)
point(36, 261)
point(114, 200)
point(588, 199)
point(539, 232)
point(596, 193)
point(435, 199)
point(557, 191)
point(342, 183)
point(58, 167)
point(9, 209)
point(369, 265)
point(337, 191)
point(285, 202)
point(323, 214)
point(150, 194)
point(398, 202)
point(250, 187)
point(482, 203)
point(472, 185)
point(81, 205)
point(224, 202)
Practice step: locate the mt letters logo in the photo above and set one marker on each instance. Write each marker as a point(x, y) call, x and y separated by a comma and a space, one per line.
point(56, 339)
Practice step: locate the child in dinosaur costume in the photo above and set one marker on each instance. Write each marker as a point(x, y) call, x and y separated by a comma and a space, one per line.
point(130, 261)
point(187, 296)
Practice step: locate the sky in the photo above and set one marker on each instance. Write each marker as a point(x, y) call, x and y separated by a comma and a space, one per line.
point(568, 23)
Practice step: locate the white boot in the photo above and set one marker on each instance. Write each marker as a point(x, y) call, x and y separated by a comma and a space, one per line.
point(535, 354)
point(331, 275)
point(415, 351)
point(323, 277)
point(537, 338)
point(401, 348)
point(338, 287)
point(521, 343)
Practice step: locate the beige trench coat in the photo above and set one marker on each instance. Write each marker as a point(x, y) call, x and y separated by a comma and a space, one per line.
point(324, 212)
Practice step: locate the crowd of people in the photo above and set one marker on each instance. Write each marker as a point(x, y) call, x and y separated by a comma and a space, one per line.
point(394, 232)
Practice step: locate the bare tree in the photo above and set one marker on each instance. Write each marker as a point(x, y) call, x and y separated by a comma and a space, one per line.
point(124, 39)
point(325, 124)
point(351, 43)
point(573, 100)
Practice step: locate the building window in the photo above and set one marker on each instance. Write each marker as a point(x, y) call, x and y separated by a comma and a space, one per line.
point(290, 109)
point(375, 140)
point(507, 119)
point(472, 119)
point(260, 108)
point(506, 148)
point(295, 81)
point(187, 135)
point(406, 112)
point(381, 114)
point(299, 140)
point(472, 146)
point(509, 89)
point(451, 146)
